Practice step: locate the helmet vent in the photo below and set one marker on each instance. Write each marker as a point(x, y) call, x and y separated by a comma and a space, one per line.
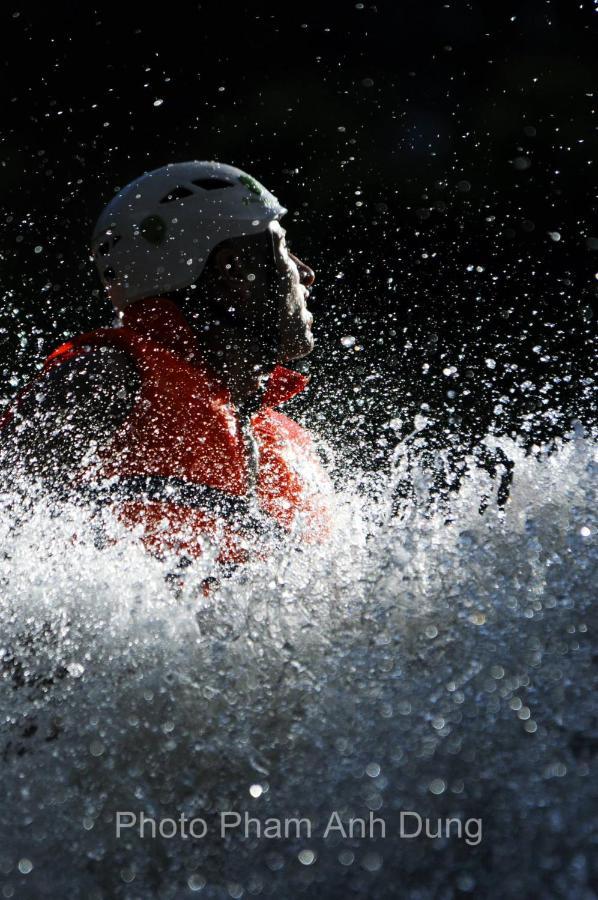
point(212, 184)
point(178, 193)
point(107, 245)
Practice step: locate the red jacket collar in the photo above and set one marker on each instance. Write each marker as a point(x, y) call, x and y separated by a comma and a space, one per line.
point(161, 321)
point(282, 385)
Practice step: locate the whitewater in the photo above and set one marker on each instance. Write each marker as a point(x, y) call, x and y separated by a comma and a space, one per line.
point(427, 658)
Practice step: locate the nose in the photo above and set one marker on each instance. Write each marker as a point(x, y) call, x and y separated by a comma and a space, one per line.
point(307, 275)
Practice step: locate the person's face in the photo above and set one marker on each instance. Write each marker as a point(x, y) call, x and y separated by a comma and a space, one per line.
point(270, 294)
point(295, 278)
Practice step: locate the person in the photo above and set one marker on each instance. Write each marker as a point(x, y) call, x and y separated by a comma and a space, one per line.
point(171, 415)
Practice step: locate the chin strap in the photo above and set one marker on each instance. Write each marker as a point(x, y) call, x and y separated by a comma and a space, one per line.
point(273, 337)
point(269, 337)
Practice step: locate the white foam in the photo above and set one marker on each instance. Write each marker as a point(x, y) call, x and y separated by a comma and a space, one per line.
point(426, 646)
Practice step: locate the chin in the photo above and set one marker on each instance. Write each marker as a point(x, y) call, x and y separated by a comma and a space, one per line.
point(302, 346)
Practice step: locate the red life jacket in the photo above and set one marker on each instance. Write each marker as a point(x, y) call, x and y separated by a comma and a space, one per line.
point(178, 463)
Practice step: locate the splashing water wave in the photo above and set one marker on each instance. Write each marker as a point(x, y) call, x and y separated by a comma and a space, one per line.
point(437, 662)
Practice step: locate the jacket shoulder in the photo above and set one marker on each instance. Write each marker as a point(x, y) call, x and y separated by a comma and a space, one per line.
point(123, 339)
point(83, 382)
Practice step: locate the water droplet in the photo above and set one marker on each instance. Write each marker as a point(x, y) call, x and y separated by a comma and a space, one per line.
point(196, 882)
point(372, 862)
point(521, 163)
point(76, 669)
point(465, 882)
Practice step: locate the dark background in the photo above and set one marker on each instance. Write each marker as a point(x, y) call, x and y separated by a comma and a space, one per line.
point(438, 160)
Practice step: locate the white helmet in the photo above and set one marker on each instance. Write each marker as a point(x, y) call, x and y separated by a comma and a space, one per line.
point(157, 233)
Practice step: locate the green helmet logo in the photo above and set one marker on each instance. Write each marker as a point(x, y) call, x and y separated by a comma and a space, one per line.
point(254, 187)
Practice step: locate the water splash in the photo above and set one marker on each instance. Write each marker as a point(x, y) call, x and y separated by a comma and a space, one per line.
point(437, 661)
